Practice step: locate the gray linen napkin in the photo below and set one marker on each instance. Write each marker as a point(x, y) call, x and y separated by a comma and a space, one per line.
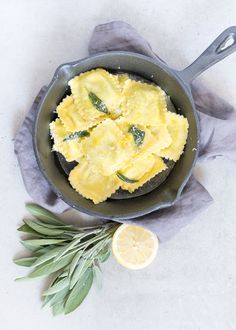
point(218, 135)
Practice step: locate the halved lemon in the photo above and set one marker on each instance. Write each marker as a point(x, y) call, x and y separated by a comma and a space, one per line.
point(134, 247)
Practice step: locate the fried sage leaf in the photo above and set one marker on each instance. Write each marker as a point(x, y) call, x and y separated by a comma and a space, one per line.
point(138, 135)
point(125, 179)
point(76, 135)
point(98, 103)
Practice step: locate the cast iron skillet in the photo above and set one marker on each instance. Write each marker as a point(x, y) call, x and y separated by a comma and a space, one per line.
point(156, 194)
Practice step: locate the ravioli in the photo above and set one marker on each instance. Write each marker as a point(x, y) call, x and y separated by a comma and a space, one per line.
point(155, 137)
point(92, 185)
point(162, 138)
point(107, 148)
point(122, 78)
point(101, 83)
point(71, 116)
point(137, 167)
point(118, 130)
point(158, 166)
point(177, 126)
point(143, 103)
point(70, 149)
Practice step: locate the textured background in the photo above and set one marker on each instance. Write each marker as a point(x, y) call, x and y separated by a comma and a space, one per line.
point(192, 283)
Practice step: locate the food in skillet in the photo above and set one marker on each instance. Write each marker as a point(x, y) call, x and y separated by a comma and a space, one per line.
point(118, 130)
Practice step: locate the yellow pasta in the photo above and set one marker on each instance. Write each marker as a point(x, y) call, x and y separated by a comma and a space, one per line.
point(177, 126)
point(122, 78)
point(155, 138)
point(101, 83)
point(92, 185)
point(70, 149)
point(157, 167)
point(58, 131)
point(161, 137)
point(71, 116)
point(117, 129)
point(137, 167)
point(107, 148)
point(143, 104)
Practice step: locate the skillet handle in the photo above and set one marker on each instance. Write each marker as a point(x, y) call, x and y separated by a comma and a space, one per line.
point(222, 46)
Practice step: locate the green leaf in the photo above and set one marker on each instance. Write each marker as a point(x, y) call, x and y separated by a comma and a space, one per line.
point(80, 269)
point(138, 135)
point(58, 286)
point(47, 256)
point(41, 241)
point(43, 249)
point(62, 227)
point(26, 262)
point(29, 246)
point(50, 267)
point(67, 248)
point(46, 300)
point(59, 297)
point(104, 257)
point(125, 179)
point(43, 214)
point(75, 262)
point(98, 103)
point(58, 308)
point(26, 229)
point(79, 292)
point(76, 135)
point(97, 275)
point(64, 273)
point(43, 230)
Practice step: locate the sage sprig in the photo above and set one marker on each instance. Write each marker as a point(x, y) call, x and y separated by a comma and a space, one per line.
point(71, 255)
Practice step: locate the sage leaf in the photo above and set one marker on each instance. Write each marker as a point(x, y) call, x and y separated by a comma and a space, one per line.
point(79, 292)
point(98, 103)
point(67, 248)
point(58, 286)
point(42, 241)
point(104, 255)
point(43, 249)
point(29, 247)
point(43, 214)
point(26, 229)
point(125, 179)
point(47, 256)
point(50, 267)
point(58, 308)
point(63, 274)
point(26, 262)
point(75, 262)
point(138, 135)
point(46, 300)
point(64, 227)
point(43, 230)
point(79, 271)
point(76, 135)
point(59, 297)
point(97, 275)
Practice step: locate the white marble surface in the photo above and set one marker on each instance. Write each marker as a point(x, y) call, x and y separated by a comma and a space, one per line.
point(192, 283)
